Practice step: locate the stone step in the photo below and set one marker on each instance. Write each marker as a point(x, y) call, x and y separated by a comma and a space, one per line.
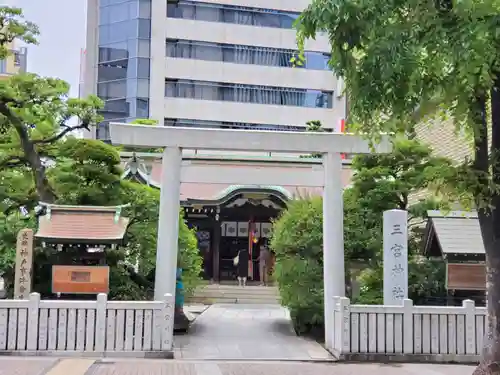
point(228, 300)
point(214, 293)
point(239, 290)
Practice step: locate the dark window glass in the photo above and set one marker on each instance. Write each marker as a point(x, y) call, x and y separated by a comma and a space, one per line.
point(242, 54)
point(144, 27)
point(231, 14)
point(113, 52)
point(248, 93)
point(122, 31)
point(230, 125)
point(124, 10)
point(112, 90)
point(316, 60)
point(144, 9)
point(118, 107)
point(102, 131)
point(118, 12)
point(141, 108)
point(104, 3)
point(138, 68)
point(124, 52)
point(124, 108)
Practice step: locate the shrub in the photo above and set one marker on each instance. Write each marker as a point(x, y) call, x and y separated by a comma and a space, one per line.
point(142, 235)
point(297, 241)
point(426, 280)
point(190, 259)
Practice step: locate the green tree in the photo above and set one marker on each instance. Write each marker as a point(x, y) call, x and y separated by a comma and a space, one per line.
point(35, 112)
point(39, 162)
point(15, 27)
point(426, 278)
point(404, 60)
point(402, 179)
point(297, 241)
point(314, 126)
point(143, 232)
point(34, 115)
point(86, 172)
point(380, 182)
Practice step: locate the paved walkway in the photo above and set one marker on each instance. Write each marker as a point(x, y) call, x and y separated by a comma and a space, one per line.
point(47, 366)
point(246, 332)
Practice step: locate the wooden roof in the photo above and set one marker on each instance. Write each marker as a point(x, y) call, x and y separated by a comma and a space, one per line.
point(453, 233)
point(148, 171)
point(82, 224)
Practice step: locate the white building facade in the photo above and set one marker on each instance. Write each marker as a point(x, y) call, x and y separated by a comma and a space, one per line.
point(212, 63)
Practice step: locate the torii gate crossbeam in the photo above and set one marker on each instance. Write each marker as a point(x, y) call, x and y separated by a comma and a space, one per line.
point(174, 139)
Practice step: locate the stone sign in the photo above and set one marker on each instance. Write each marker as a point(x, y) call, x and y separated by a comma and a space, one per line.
point(395, 257)
point(24, 264)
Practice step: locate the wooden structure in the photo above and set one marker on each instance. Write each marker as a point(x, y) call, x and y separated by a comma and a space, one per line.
point(227, 217)
point(79, 237)
point(456, 238)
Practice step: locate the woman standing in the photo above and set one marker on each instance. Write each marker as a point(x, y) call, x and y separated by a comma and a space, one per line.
point(242, 267)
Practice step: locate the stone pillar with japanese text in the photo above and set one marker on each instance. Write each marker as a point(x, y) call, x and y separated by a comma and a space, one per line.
point(24, 264)
point(395, 257)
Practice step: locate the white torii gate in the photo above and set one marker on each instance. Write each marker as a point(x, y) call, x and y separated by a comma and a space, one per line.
point(174, 139)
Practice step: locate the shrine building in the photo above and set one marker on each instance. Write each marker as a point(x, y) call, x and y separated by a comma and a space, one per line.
point(229, 217)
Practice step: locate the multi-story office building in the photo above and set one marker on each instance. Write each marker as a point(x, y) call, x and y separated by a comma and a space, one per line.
point(216, 63)
point(221, 64)
point(14, 63)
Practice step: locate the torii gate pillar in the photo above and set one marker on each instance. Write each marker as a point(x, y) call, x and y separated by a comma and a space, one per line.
point(174, 139)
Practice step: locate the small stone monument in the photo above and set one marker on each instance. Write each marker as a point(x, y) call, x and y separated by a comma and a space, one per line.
point(24, 264)
point(395, 257)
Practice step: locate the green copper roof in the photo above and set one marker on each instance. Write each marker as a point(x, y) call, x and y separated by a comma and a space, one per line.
point(233, 188)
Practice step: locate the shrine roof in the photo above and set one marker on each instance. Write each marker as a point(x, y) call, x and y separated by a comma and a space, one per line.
point(146, 168)
point(82, 224)
point(453, 233)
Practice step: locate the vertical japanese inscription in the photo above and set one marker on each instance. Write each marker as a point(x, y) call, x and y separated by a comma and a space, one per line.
point(395, 257)
point(24, 264)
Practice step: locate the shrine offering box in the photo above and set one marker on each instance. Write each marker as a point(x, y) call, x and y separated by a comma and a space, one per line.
point(80, 279)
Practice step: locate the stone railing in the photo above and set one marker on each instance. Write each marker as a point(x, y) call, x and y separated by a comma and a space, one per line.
point(101, 327)
point(408, 332)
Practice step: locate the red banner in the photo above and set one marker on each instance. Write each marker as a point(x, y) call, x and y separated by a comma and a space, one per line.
point(251, 236)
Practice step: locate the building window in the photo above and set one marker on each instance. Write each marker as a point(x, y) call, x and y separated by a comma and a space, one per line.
point(123, 61)
point(241, 54)
point(248, 93)
point(231, 125)
point(3, 66)
point(231, 14)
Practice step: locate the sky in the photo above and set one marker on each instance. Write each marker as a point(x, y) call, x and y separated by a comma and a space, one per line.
point(62, 36)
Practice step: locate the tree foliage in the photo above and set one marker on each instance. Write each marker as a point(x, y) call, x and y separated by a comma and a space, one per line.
point(405, 60)
point(297, 242)
point(87, 172)
point(380, 182)
point(13, 26)
point(404, 179)
point(35, 113)
point(426, 280)
point(40, 161)
point(143, 233)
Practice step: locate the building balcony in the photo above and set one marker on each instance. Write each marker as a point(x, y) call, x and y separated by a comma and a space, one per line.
point(239, 34)
point(214, 110)
point(201, 70)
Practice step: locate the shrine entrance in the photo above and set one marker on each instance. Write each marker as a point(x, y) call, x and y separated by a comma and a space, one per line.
point(175, 172)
